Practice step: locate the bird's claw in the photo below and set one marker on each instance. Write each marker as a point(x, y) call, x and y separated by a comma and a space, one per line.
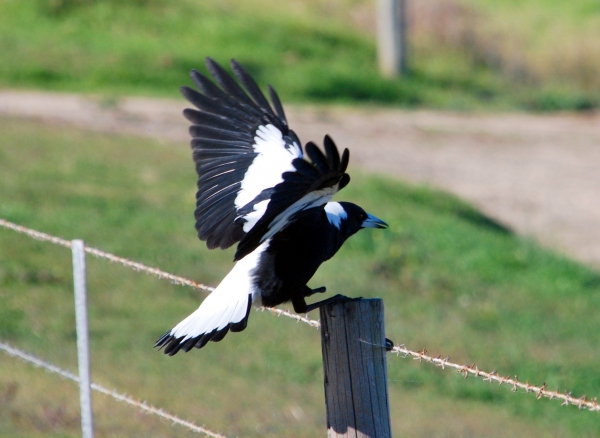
point(389, 344)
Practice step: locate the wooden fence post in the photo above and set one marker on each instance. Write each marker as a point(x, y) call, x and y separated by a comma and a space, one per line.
point(355, 369)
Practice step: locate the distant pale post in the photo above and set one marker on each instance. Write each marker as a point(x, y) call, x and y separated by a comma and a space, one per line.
point(391, 37)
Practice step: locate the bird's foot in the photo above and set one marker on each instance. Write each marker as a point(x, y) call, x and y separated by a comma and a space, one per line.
point(318, 290)
point(389, 344)
point(318, 304)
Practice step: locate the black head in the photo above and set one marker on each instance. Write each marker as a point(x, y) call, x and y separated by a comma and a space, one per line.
point(349, 218)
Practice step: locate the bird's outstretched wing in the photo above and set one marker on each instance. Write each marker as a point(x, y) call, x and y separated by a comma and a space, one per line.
point(253, 176)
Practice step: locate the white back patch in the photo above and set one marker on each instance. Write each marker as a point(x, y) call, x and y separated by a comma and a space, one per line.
point(335, 213)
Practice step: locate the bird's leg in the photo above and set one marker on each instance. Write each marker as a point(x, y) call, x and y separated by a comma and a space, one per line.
point(300, 305)
point(333, 299)
point(310, 292)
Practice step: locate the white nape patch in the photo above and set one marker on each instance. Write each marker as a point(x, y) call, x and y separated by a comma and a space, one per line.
point(313, 199)
point(335, 213)
point(227, 303)
point(268, 167)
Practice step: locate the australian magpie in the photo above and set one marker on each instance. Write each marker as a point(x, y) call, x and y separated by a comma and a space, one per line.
point(257, 189)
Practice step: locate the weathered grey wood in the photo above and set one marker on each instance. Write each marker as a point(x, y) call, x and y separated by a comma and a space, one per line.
point(391, 37)
point(355, 369)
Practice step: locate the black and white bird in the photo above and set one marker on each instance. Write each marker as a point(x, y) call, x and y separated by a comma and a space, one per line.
point(257, 189)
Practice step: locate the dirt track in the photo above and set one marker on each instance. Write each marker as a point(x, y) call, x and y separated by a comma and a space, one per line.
point(540, 175)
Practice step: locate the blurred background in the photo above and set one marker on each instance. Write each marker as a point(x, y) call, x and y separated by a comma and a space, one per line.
point(482, 157)
point(463, 54)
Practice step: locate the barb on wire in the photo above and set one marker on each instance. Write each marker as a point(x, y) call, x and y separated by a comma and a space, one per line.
point(15, 352)
point(473, 370)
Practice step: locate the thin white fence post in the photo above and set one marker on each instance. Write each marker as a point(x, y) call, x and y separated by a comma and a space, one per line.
point(83, 345)
point(391, 37)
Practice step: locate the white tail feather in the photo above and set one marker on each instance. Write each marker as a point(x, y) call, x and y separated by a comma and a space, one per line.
point(227, 304)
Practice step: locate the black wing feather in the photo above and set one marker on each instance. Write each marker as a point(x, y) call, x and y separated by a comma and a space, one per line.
point(223, 173)
point(219, 121)
point(214, 92)
point(231, 119)
point(317, 157)
point(277, 104)
point(208, 87)
point(211, 105)
point(200, 101)
point(227, 83)
point(333, 156)
point(251, 86)
point(208, 131)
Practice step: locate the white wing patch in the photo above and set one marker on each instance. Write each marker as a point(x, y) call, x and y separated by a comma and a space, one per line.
point(227, 304)
point(254, 216)
point(335, 213)
point(267, 169)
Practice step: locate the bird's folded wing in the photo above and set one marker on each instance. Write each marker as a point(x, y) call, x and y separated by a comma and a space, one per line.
point(250, 165)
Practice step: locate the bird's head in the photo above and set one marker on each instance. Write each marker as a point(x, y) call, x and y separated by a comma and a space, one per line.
point(349, 218)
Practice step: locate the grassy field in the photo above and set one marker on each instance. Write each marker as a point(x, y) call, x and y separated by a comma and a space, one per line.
point(465, 54)
point(453, 282)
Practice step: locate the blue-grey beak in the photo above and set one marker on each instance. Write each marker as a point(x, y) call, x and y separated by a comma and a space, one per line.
point(373, 222)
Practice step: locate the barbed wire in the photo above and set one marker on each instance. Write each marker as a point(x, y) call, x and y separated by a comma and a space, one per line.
point(279, 312)
point(540, 391)
point(15, 352)
point(140, 267)
point(473, 370)
point(136, 266)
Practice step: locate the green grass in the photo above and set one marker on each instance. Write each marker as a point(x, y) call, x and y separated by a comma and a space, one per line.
point(453, 282)
point(464, 57)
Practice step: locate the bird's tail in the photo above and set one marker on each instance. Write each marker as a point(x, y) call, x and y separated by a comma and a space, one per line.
point(226, 309)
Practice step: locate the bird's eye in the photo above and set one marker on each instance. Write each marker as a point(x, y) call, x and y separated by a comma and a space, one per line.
point(362, 216)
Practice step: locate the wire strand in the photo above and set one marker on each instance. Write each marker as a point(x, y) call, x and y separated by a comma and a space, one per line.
point(38, 235)
point(466, 370)
point(15, 352)
point(473, 370)
point(140, 267)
